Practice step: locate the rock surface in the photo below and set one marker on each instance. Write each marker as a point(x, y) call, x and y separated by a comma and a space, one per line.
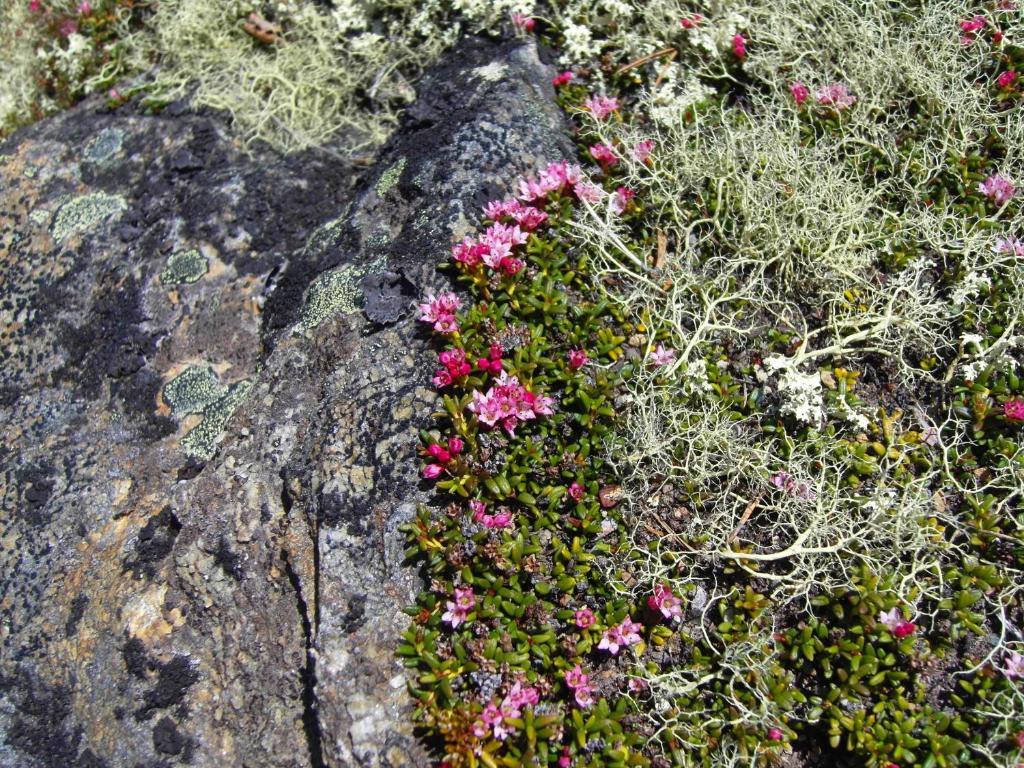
point(211, 383)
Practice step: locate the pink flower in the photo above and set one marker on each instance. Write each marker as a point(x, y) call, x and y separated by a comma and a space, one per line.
point(642, 150)
point(621, 199)
point(1014, 665)
point(739, 46)
point(997, 188)
point(620, 636)
point(670, 606)
point(601, 106)
point(84, 8)
point(68, 28)
point(799, 91)
point(511, 266)
point(114, 95)
point(577, 359)
point(432, 471)
point(564, 760)
point(458, 611)
point(522, 22)
point(637, 685)
point(587, 192)
point(584, 697)
point(798, 489)
point(663, 356)
point(478, 508)
point(893, 621)
point(972, 25)
point(563, 79)
point(440, 310)
point(455, 445)
point(577, 492)
point(469, 252)
point(579, 682)
point(439, 454)
point(835, 95)
point(529, 218)
point(1010, 244)
point(1014, 409)
point(604, 155)
point(775, 734)
point(35, 6)
point(498, 209)
point(585, 618)
point(442, 379)
point(1005, 79)
point(508, 402)
point(690, 22)
point(519, 697)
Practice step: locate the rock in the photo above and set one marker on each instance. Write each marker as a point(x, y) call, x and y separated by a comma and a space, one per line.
point(212, 379)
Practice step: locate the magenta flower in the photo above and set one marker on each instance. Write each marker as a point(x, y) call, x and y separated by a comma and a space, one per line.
point(458, 611)
point(469, 252)
point(739, 46)
point(440, 310)
point(529, 218)
point(499, 209)
point(525, 23)
point(84, 8)
point(670, 606)
point(620, 636)
point(690, 22)
point(604, 155)
point(775, 734)
point(585, 618)
point(577, 492)
point(1006, 79)
point(663, 356)
point(557, 177)
point(835, 95)
point(997, 188)
point(562, 79)
point(1014, 665)
point(893, 621)
point(799, 91)
point(601, 106)
point(508, 402)
point(68, 28)
point(973, 25)
point(35, 6)
point(1014, 409)
point(642, 150)
point(501, 519)
point(621, 199)
point(432, 471)
point(577, 359)
point(520, 696)
point(579, 682)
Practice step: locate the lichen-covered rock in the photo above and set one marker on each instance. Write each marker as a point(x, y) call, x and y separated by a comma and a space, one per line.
point(211, 381)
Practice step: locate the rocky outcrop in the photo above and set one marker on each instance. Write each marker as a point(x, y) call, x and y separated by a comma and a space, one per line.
point(212, 377)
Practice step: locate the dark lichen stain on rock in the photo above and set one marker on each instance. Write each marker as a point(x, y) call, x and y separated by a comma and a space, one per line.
point(153, 544)
point(168, 740)
point(78, 606)
point(173, 680)
point(38, 482)
point(41, 725)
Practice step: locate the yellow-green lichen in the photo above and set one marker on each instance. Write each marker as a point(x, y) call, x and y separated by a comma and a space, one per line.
point(334, 292)
point(184, 267)
point(389, 179)
point(84, 213)
point(193, 390)
point(201, 442)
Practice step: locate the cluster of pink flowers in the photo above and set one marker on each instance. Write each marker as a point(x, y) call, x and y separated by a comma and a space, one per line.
point(1006, 79)
point(970, 28)
point(601, 106)
point(604, 155)
point(563, 78)
point(798, 489)
point(1009, 244)
point(642, 150)
point(581, 687)
point(577, 359)
point(1014, 409)
point(494, 248)
point(526, 217)
point(500, 519)
point(1014, 665)
point(691, 22)
point(663, 601)
point(835, 95)
point(440, 310)
point(620, 636)
point(662, 355)
point(508, 403)
point(800, 92)
point(998, 189)
point(443, 456)
point(739, 46)
point(584, 618)
point(495, 717)
point(621, 199)
point(492, 363)
point(455, 367)
point(458, 611)
point(557, 177)
point(893, 621)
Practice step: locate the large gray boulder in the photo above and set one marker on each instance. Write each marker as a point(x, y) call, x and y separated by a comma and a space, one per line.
point(212, 379)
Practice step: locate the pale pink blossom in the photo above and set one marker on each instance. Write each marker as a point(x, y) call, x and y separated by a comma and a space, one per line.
point(798, 489)
point(508, 403)
point(529, 218)
point(1014, 665)
point(584, 618)
point(1009, 244)
point(604, 155)
point(670, 606)
point(642, 150)
point(498, 209)
point(601, 106)
point(621, 199)
point(458, 610)
point(579, 682)
point(440, 310)
point(998, 189)
point(84, 8)
point(663, 355)
point(588, 192)
point(620, 636)
point(835, 95)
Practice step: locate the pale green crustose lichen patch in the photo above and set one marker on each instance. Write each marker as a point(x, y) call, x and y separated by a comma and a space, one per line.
point(389, 179)
point(201, 442)
point(105, 146)
point(84, 213)
point(184, 267)
point(193, 390)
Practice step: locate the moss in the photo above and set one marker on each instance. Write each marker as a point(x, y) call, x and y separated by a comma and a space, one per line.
point(84, 213)
point(193, 390)
point(201, 442)
point(389, 179)
point(184, 267)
